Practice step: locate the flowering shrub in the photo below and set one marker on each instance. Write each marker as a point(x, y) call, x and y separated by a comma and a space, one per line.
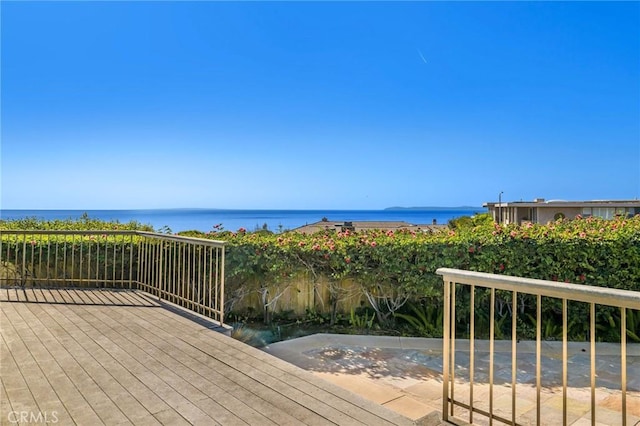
point(393, 267)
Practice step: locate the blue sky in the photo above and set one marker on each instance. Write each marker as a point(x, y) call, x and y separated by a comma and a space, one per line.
point(328, 105)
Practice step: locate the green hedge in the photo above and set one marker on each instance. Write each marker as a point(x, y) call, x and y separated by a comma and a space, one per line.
point(395, 267)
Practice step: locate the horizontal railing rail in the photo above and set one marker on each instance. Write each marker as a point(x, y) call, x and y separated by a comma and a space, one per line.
point(188, 272)
point(455, 280)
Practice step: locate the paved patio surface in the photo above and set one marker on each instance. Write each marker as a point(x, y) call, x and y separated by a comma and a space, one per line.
point(404, 374)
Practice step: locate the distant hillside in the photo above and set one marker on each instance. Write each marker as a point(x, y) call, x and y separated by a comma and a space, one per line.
point(437, 208)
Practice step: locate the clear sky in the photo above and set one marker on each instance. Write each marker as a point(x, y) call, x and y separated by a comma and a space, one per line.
point(328, 105)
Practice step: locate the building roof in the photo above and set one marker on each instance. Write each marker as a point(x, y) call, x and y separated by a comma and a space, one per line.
point(540, 202)
point(365, 225)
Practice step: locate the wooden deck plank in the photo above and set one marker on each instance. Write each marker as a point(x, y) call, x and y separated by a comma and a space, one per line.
point(77, 403)
point(57, 356)
point(16, 388)
point(15, 293)
point(122, 358)
point(5, 404)
point(33, 391)
point(264, 386)
point(279, 417)
point(260, 365)
point(45, 362)
point(120, 375)
point(170, 387)
point(96, 356)
point(75, 295)
point(163, 352)
point(61, 296)
point(295, 376)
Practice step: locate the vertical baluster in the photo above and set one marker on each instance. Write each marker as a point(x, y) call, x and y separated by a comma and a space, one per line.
point(623, 362)
point(445, 350)
point(221, 285)
point(24, 260)
point(73, 259)
point(472, 363)
point(491, 333)
point(131, 239)
point(453, 345)
point(538, 355)
point(592, 324)
point(48, 259)
point(514, 353)
point(97, 261)
point(64, 259)
point(200, 280)
point(564, 361)
point(211, 272)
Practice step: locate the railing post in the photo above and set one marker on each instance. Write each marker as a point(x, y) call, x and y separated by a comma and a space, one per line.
point(446, 333)
point(623, 362)
point(24, 261)
point(221, 267)
point(131, 239)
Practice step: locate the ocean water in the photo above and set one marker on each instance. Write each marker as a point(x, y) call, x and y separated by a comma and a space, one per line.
point(276, 220)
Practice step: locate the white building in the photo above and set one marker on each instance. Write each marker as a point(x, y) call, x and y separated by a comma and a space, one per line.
point(541, 211)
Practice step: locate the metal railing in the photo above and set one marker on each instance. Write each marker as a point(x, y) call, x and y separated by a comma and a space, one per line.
point(188, 272)
point(468, 283)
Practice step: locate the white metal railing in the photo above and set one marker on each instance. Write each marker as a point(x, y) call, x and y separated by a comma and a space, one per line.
point(185, 271)
point(455, 279)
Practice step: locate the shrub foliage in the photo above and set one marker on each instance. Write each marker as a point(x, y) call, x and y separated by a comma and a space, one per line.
point(393, 268)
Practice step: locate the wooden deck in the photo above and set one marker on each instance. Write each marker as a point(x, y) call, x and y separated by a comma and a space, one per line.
point(91, 357)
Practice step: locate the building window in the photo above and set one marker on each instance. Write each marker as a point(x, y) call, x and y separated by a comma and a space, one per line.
point(605, 212)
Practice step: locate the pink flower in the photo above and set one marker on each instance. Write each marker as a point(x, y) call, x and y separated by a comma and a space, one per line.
point(501, 267)
point(347, 259)
point(373, 244)
point(583, 234)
